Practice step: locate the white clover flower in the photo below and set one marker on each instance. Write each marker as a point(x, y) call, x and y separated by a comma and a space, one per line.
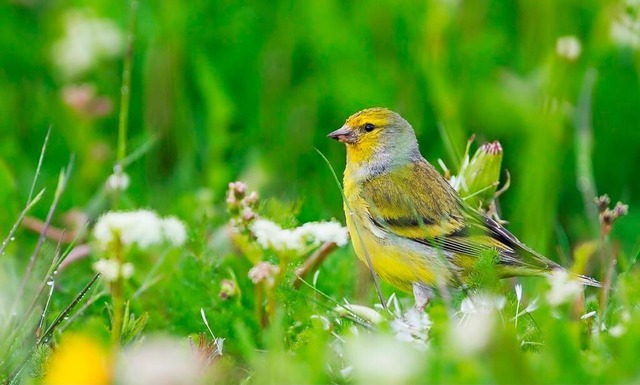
point(140, 227)
point(143, 228)
point(320, 232)
point(126, 270)
point(87, 40)
point(270, 235)
point(563, 288)
point(108, 268)
point(111, 270)
point(118, 181)
point(379, 359)
point(414, 327)
point(159, 360)
point(174, 231)
point(568, 47)
point(475, 328)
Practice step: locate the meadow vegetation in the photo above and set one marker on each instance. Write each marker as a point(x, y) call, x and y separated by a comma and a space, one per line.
point(172, 210)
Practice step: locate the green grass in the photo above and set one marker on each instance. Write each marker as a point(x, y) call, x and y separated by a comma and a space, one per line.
point(223, 91)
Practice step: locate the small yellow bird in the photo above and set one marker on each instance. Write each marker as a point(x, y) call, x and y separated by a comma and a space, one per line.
point(409, 222)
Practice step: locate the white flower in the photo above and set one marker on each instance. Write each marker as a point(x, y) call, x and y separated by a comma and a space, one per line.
point(568, 47)
point(625, 31)
point(108, 268)
point(531, 307)
point(378, 359)
point(474, 329)
point(87, 40)
point(621, 328)
point(126, 270)
point(143, 228)
point(174, 231)
point(474, 333)
point(118, 181)
point(413, 327)
point(563, 288)
point(617, 331)
point(140, 227)
point(159, 360)
point(321, 232)
point(481, 303)
point(270, 235)
point(111, 270)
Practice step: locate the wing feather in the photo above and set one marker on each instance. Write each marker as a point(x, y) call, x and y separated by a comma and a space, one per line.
point(408, 209)
point(437, 217)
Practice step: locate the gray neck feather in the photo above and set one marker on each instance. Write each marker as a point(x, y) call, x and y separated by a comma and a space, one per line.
point(389, 155)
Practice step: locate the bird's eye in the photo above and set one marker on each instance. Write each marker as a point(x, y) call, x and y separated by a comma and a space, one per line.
point(368, 127)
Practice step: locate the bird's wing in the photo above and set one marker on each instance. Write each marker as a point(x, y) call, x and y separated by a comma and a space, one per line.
point(401, 202)
point(416, 202)
point(514, 255)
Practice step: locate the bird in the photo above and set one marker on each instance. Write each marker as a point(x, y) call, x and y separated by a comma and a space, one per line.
point(407, 222)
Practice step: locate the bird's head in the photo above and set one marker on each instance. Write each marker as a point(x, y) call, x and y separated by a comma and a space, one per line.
point(376, 133)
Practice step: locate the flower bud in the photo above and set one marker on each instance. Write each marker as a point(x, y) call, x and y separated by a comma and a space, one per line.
point(228, 289)
point(602, 202)
point(482, 175)
point(248, 215)
point(609, 216)
point(263, 271)
point(239, 189)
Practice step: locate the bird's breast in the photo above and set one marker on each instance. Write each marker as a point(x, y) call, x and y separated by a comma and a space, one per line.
point(397, 260)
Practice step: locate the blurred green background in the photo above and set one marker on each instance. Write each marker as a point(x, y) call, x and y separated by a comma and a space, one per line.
point(246, 90)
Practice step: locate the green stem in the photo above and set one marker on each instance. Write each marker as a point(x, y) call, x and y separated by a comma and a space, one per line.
point(259, 298)
point(118, 306)
point(271, 302)
point(271, 289)
point(117, 299)
point(584, 149)
point(125, 90)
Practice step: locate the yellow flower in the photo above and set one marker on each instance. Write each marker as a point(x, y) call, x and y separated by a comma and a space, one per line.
point(78, 360)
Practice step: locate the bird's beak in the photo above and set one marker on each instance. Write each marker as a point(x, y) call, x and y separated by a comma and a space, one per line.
point(344, 135)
